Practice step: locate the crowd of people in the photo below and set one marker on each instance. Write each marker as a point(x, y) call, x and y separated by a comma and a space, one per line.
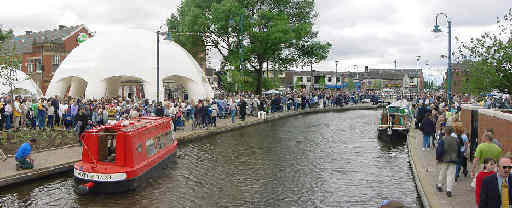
point(434, 116)
point(442, 132)
point(79, 114)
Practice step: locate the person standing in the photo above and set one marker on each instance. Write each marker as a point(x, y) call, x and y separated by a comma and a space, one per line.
point(486, 149)
point(2, 115)
point(16, 113)
point(41, 114)
point(428, 130)
point(214, 114)
point(447, 162)
point(464, 151)
point(489, 169)
point(82, 121)
point(243, 109)
point(51, 115)
point(496, 188)
point(23, 158)
point(8, 114)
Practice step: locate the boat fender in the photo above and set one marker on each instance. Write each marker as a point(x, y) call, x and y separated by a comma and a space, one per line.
point(389, 131)
point(84, 188)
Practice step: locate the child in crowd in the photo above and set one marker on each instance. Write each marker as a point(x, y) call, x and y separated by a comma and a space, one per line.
point(68, 119)
point(489, 169)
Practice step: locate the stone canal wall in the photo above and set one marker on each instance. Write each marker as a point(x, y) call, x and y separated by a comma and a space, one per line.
point(62, 159)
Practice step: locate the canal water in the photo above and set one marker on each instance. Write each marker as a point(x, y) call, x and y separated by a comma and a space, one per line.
point(318, 160)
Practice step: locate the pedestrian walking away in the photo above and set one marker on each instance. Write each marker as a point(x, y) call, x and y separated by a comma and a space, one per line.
point(447, 160)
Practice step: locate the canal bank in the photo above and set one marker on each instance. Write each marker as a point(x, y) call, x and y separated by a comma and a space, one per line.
point(61, 160)
point(425, 170)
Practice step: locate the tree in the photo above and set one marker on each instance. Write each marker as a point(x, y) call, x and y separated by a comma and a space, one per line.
point(489, 58)
point(350, 84)
point(5, 34)
point(378, 84)
point(249, 33)
point(9, 61)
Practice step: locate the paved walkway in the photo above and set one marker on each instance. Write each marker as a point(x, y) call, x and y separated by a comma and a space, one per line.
point(426, 172)
point(62, 159)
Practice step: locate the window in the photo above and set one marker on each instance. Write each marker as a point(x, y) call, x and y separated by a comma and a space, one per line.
point(139, 148)
point(170, 137)
point(30, 66)
point(161, 141)
point(329, 79)
point(308, 79)
point(56, 60)
point(150, 147)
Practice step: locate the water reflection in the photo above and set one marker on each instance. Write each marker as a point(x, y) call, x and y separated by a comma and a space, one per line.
point(321, 160)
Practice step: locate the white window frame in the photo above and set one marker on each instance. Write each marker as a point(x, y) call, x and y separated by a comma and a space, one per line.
point(30, 66)
point(56, 59)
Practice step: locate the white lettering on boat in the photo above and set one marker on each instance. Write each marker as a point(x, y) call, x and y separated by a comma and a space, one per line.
point(99, 176)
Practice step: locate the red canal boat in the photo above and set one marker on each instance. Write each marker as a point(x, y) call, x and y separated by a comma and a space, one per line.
point(118, 157)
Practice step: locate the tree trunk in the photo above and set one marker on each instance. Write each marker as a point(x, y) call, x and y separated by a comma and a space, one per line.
point(259, 75)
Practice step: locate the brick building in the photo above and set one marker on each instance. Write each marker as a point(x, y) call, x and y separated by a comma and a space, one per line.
point(42, 52)
point(459, 76)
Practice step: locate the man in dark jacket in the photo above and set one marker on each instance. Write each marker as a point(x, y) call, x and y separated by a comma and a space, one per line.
point(448, 162)
point(496, 188)
point(159, 110)
point(428, 128)
point(82, 121)
point(243, 109)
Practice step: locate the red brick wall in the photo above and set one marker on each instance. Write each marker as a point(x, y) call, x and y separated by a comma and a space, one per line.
point(465, 117)
point(71, 43)
point(502, 129)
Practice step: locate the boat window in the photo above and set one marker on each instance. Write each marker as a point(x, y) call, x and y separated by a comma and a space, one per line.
point(107, 146)
point(150, 147)
point(169, 137)
point(161, 141)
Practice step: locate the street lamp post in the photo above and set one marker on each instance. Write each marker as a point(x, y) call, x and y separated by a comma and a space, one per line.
point(158, 33)
point(336, 76)
point(437, 29)
point(157, 66)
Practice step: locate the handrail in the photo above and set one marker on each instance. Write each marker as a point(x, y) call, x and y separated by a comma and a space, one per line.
point(88, 152)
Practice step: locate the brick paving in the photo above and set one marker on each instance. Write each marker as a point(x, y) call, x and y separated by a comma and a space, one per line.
point(463, 195)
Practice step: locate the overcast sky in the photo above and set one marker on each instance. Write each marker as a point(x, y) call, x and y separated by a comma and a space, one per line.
point(370, 33)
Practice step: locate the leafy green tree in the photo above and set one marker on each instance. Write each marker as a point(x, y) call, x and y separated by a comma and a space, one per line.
point(489, 58)
point(9, 61)
point(378, 84)
point(350, 84)
point(249, 33)
point(5, 34)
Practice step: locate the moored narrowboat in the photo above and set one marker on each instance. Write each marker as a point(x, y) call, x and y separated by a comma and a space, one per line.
point(118, 157)
point(394, 123)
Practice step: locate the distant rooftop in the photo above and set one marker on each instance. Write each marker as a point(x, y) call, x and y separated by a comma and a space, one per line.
point(24, 42)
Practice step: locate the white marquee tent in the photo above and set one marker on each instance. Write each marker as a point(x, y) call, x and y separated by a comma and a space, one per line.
point(24, 85)
point(97, 67)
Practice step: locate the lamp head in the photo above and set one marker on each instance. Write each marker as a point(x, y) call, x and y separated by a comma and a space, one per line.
point(437, 29)
point(168, 36)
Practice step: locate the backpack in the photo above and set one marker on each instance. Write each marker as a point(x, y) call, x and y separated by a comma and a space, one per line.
point(440, 150)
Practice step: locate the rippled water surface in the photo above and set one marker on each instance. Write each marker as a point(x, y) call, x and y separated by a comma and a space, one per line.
point(319, 160)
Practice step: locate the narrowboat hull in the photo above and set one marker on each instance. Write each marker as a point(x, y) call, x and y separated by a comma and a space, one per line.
point(396, 135)
point(128, 184)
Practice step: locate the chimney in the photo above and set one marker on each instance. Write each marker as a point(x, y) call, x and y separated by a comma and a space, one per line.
point(28, 32)
point(61, 27)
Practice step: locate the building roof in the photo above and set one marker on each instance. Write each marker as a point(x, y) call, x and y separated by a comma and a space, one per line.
point(25, 42)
